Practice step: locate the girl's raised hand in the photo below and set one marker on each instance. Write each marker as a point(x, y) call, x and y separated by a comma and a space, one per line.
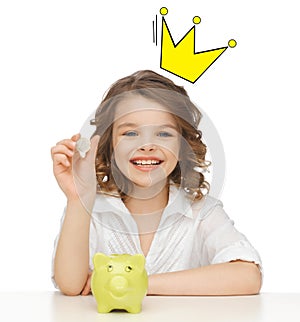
point(75, 175)
point(84, 175)
point(62, 156)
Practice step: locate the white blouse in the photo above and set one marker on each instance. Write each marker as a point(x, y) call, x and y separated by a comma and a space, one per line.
point(189, 235)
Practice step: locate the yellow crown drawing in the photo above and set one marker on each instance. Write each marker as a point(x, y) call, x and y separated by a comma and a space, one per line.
point(181, 59)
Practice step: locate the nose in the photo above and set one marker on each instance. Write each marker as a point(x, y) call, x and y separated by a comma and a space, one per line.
point(148, 147)
point(118, 285)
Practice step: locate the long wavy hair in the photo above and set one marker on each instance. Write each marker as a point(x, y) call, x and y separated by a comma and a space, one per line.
point(187, 116)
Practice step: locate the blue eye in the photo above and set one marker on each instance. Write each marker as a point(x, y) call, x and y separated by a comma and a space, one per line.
point(130, 133)
point(164, 134)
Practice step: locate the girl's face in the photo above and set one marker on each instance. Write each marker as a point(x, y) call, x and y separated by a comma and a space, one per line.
point(145, 141)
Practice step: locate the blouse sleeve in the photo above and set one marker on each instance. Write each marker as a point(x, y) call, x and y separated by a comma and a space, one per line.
point(221, 242)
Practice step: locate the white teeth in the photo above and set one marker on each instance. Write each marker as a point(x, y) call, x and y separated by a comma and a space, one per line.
point(146, 162)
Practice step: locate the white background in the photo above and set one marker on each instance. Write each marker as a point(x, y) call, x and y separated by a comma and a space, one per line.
point(58, 58)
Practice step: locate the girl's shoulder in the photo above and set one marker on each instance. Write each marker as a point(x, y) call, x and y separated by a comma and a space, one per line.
point(204, 207)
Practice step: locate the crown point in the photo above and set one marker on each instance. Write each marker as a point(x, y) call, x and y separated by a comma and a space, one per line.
point(232, 43)
point(196, 20)
point(163, 11)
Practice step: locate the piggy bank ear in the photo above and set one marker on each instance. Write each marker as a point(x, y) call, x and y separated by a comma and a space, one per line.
point(139, 260)
point(100, 259)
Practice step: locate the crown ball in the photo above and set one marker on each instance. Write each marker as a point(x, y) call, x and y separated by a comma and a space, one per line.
point(232, 43)
point(163, 11)
point(196, 20)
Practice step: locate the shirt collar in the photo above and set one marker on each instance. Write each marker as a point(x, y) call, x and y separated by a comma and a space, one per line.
point(178, 203)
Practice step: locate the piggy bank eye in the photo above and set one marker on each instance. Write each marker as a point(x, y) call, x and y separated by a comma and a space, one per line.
point(109, 268)
point(128, 268)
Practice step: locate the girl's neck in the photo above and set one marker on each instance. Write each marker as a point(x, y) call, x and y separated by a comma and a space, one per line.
point(145, 201)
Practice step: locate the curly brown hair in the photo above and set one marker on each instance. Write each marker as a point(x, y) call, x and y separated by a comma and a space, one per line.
point(155, 87)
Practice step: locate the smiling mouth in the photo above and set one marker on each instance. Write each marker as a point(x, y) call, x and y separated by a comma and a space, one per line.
point(146, 163)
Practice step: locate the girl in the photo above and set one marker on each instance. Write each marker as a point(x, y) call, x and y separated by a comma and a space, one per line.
point(141, 189)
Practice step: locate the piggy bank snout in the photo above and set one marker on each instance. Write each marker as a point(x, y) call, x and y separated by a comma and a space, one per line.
point(118, 285)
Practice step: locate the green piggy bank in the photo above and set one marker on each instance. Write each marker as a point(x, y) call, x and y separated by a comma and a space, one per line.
point(119, 282)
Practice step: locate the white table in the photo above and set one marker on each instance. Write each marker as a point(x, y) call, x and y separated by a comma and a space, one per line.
point(55, 307)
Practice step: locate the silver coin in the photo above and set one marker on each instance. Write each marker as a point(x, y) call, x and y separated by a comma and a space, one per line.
point(83, 145)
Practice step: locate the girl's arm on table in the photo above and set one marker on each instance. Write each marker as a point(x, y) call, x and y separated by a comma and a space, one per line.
point(71, 265)
point(78, 181)
point(232, 278)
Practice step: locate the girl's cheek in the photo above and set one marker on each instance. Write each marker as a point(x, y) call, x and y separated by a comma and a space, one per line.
point(127, 147)
point(171, 146)
point(124, 150)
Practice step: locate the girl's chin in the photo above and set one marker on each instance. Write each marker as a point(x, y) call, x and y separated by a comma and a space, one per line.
point(143, 190)
point(148, 182)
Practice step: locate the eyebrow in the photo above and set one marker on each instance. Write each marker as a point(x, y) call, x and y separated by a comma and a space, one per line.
point(129, 124)
point(126, 124)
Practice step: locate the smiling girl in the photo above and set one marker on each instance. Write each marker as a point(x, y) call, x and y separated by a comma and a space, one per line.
point(141, 189)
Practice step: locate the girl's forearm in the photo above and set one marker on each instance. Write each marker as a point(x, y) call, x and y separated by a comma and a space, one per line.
point(234, 278)
point(71, 263)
